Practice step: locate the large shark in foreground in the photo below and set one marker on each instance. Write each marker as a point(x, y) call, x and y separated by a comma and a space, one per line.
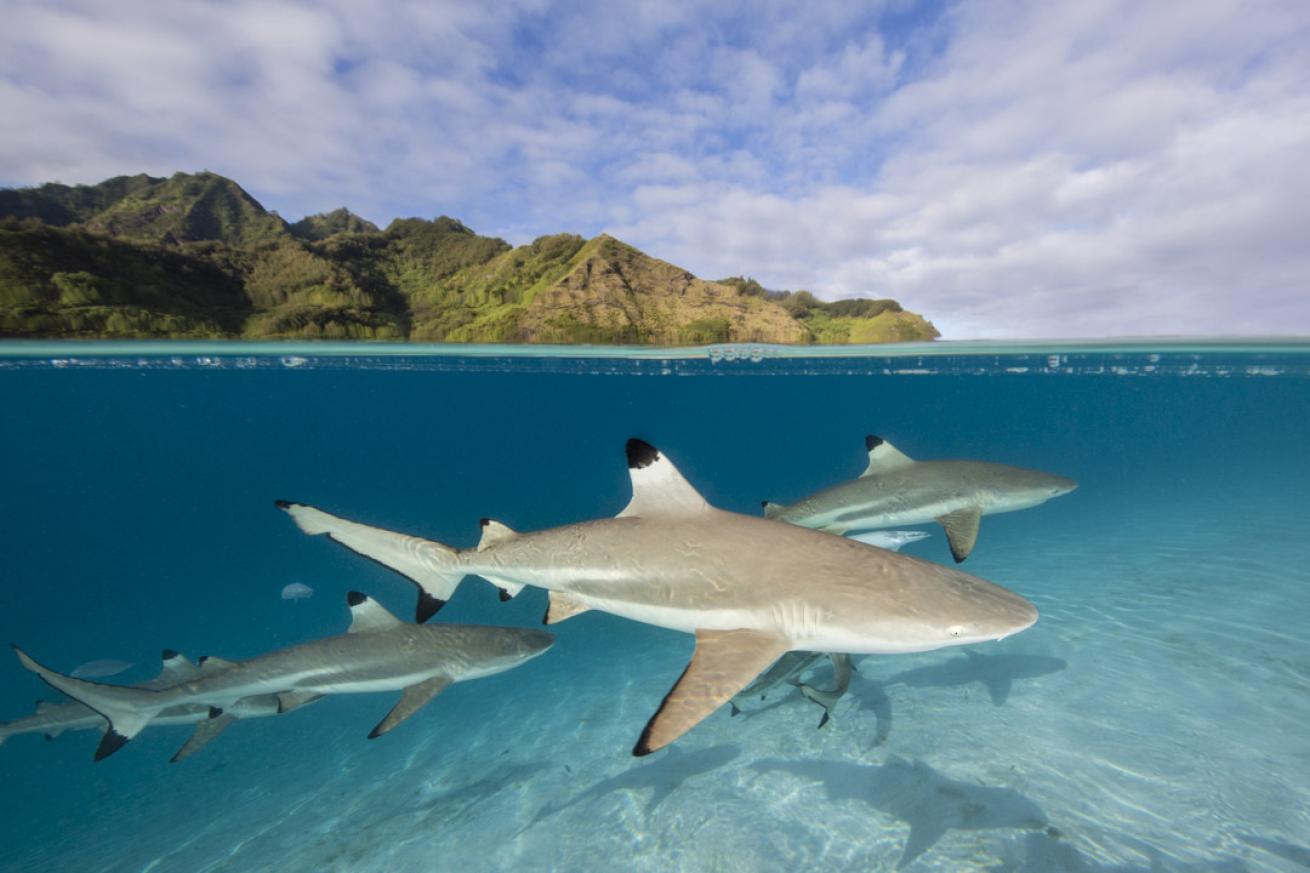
point(52, 719)
point(895, 490)
point(750, 589)
point(378, 653)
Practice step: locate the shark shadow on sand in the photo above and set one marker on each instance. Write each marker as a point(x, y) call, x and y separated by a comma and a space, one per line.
point(1043, 853)
point(928, 801)
point(869, 695)
point(996, 672)
point(662, 777)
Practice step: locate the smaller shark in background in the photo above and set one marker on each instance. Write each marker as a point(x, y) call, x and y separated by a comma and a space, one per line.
point(379, 652)
point(52, 719)
point(789, 669)
point(895, 489)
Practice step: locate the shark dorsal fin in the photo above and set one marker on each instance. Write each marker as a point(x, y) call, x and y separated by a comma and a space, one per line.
point(367, 615)
point(883, 456)
point(657, 486)
point(176, 667)
point(210, 664)
point(494, 532)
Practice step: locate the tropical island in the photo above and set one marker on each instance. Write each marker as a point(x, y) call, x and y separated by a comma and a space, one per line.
point(195, 256)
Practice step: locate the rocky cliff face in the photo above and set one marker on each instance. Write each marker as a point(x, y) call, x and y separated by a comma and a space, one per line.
point(195, 255)
point(618, 292)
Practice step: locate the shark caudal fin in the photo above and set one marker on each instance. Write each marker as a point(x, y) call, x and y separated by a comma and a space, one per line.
point(128, 710)
point(434, 568)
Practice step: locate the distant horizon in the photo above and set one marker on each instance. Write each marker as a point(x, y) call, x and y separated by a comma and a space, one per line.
point(1014, 169)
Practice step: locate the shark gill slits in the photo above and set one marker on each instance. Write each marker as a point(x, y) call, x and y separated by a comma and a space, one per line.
point(872, 442)
point(355, 598)
point(641, 454)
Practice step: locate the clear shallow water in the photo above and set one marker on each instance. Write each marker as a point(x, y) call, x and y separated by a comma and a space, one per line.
point(1152, 720)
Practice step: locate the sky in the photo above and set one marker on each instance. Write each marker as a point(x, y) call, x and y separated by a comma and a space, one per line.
point(1008, 168)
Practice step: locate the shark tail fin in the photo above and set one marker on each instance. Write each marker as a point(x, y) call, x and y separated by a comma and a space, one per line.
point(128, 710)
point(772, 510)
point(433, 567)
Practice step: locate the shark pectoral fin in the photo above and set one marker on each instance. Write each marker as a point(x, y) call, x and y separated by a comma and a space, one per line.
point(657, 486)
point(563, 606)
point(883, 456)
point(961, 530)
point(203, 734)
point(367, 615)
point(433, 567)
point(507, 588)
point(494, 532)
point(723, 664)
point(289, 700)
point(411, 700)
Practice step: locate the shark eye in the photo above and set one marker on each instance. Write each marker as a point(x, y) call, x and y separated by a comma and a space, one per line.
point(954, 630)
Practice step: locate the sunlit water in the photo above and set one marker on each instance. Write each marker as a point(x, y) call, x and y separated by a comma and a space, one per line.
point(1153, 720)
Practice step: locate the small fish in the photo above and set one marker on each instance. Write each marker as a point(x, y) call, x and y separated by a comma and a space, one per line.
point(297, 591)
point(101, 668)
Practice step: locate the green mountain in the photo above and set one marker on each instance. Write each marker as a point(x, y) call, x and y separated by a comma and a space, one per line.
point(194, 255)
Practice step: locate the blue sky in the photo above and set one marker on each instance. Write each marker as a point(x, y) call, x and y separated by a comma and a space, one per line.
point(1008, 168)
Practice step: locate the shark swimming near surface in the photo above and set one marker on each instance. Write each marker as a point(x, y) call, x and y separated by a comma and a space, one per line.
point(750, 589)
point(53, 719)
point(895, 489)
point(378, 653)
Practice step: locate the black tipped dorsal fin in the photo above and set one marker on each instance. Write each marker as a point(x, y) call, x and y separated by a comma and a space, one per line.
point(883, 456)
point(177, 668)
point(210, 664)
point(494, 532)
point(657, 486)
point(367, 615)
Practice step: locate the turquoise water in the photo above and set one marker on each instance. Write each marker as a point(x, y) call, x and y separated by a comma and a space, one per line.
point(1152, 720)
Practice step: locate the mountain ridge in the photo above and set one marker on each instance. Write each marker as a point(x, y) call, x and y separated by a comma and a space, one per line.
point(195, 255)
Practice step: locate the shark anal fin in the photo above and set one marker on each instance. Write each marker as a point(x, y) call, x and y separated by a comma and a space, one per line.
point(507, 588)
point(367, 615)
point(883, 456)
point(722, 665)
point(203, 734)
point(961, 530)
point(289, 700)
point(563, 606)
point(411, 700)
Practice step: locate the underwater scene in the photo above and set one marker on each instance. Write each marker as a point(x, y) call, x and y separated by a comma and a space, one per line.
point(949, 607)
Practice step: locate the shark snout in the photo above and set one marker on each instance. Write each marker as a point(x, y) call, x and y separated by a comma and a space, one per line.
point(1062, 486)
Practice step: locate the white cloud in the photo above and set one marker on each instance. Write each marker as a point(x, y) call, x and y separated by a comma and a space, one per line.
point(1013, 168)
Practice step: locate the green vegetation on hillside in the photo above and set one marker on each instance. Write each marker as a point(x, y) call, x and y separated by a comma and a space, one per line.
point(194, 255)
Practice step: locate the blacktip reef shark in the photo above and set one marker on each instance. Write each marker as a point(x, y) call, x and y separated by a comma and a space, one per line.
point(789, 669)
point(895, 490)
point(750, 589)
point(378, 653)
point(53, 719)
